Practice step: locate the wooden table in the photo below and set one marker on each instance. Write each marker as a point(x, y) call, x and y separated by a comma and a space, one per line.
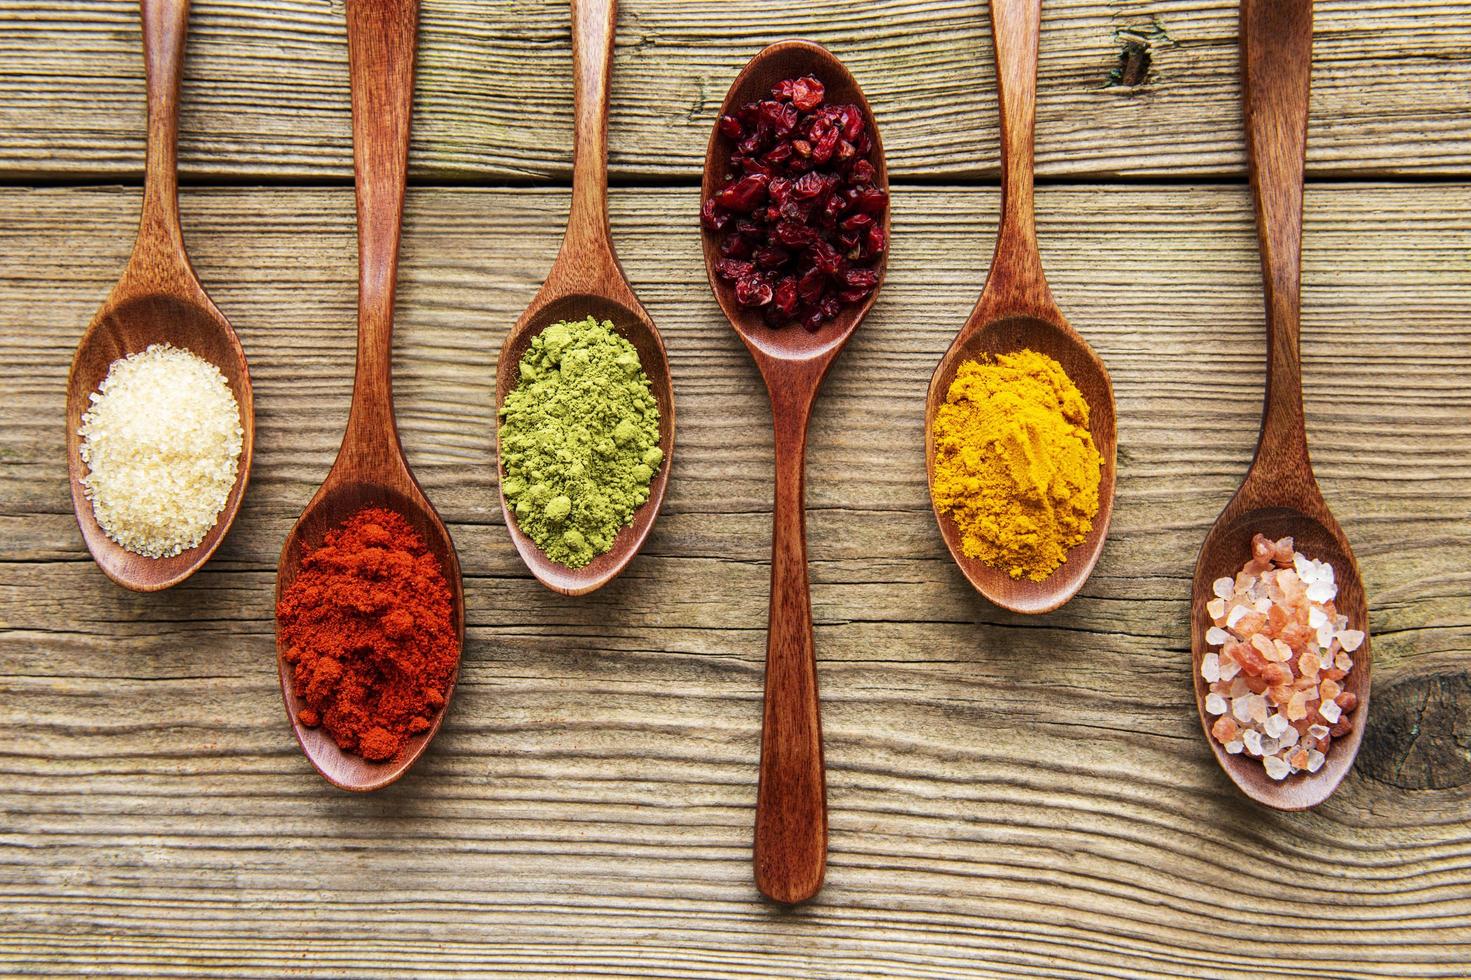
point(1009, 795)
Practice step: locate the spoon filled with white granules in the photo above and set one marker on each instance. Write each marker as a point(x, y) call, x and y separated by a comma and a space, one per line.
point(159, 417)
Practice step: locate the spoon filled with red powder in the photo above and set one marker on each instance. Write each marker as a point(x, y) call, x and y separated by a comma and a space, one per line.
point(370, 614)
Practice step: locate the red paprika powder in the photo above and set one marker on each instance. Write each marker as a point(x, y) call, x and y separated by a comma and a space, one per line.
point(368, 630)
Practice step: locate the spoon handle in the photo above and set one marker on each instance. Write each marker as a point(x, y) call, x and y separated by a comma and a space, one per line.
point(1016, 282)
point(791, 800)
point(1276, 65)
point(593, 25)
point(165, 30)
point(381, 39)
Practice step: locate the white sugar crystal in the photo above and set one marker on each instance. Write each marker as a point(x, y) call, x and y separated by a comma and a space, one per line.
point(1210, 667)
point(1223, 587)
point(1319, 732)
point(1315, 760)
point(1229, 669)
point(1235, 746)
point(1216, 636)
point(1330, 711)
point(1241, 709)
point(1316, 618)
point(1235, 615)
point(1350, 639)
point(1289, 737)
point(1215, 704)
point(1321, 591)
point(1276, 767)
point(1253, 740)
point(1276, 725)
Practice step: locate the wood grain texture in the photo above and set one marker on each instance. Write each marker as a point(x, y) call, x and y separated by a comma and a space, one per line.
point(1009, 796)
point(265, 89)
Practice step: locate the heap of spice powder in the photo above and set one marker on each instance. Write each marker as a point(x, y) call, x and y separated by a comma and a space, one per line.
point(1015, 464)
point(579, 438)
point(161, 442)
point(368, 630)
point(1276, 683)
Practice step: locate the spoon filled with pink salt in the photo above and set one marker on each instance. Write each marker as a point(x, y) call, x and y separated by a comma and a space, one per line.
point(1279, 622)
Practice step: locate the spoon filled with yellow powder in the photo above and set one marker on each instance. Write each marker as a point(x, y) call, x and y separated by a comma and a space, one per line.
point(1015, 467)
point(1019, 419)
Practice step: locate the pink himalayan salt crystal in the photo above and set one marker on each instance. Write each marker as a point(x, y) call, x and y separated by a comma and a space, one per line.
point(1297, 706)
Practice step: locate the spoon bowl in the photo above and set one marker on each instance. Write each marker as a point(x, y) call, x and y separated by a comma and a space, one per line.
point(158, 300)
point(1015, 312)
point(633, 324)
point(1279, 496)
point(790, 846)
point(775, 63)
point(1227, 547)
point(1058, 341)
point(371, 471)
point(342, 495)
point(588, 280)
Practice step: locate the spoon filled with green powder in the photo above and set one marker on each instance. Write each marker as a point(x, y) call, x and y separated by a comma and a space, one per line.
point(582, 390)
point(581, 451)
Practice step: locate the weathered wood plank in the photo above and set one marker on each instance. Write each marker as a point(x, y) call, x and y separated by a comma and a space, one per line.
point(1009, 796)
point(265, 88)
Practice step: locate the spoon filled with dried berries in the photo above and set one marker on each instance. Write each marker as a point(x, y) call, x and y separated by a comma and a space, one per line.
point(796, 219)
point(1279, 623)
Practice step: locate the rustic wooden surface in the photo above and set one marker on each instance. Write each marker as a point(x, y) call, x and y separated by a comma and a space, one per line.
point(1008, 796)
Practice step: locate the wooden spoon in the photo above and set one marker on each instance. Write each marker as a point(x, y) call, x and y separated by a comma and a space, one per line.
point(370, 470)
point(588, 280)
point(1279, 496)
point(791, 801)
point(1016, 311)
point(158, 300)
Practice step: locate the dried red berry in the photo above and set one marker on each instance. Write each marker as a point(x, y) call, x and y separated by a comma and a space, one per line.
point(807, 93)
point(753, 292)
point(772, 257)
point(744, 194)
point(712, 217)
point(733, 269)
point(785, 298)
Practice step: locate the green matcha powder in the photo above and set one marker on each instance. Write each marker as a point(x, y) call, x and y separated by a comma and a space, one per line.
point(579, 440)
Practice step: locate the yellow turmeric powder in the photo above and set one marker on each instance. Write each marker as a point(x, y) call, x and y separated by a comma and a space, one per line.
point(1015, 464)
